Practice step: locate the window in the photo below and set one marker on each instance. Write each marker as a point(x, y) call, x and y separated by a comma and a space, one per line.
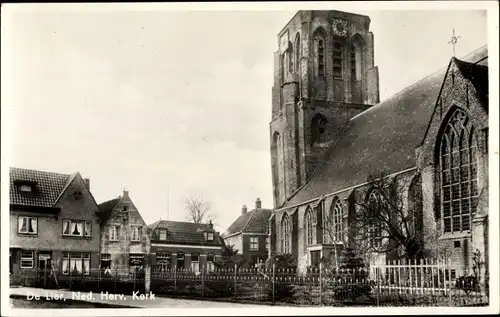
point(113, 233)
point(163, 261)
point(27, 259)
point(210, 236)
point(76, 228)
point(76, 263)
point(315, 258)
point(267, 243)
point(254, 243)
point(125, 208)
point(356, 49)
point(26, 188)
point(105, 261)
point(318, 128)
point(180, 260)
point(136, 236)
point(458, 169)
point(297, 53)
point(337, 59)
point(375, 204)
point(338, 222)
point(210, 262)
point(162, 234)
point(319, 41)
point(326, 223)
point(285, 234)
point(195, 262)
point(27, 225)
point(310, 226)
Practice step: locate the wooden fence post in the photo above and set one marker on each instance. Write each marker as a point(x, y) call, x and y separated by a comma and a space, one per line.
point(235, 276)
point(320, 285)
point(274, 277)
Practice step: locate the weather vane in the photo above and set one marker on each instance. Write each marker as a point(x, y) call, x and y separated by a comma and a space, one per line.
point(453, 41)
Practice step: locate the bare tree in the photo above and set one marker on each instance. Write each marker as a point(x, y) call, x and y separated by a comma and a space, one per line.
point(389, 218)
point(198, 210)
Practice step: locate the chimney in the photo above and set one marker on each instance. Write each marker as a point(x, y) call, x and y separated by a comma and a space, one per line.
point(87, 182)
point(210, 224)
point(243, 209)
point(125, 193)
point(258, 203)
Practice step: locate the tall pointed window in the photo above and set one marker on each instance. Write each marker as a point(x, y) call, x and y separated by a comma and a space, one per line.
point(297, 53)
point(458, 167)
point(319, 50)
point(337, 58)
point(377, 206)
point(337, 222)
point(356, 49)
point(310, 221)
point(285, 234)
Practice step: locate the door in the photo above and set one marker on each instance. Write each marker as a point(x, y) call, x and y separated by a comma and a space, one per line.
point(44, 267)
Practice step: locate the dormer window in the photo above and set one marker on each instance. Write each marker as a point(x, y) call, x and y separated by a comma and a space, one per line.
point(25, 186)
point(210, 236)
point(162, 234)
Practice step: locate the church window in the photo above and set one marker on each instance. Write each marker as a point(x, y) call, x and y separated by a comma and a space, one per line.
point(458, 168)
point(310, 226)
point(297, 53)
point(415, 215)
point(376, 204)
point(326, 220)
point(285, 234)
point(356, 49)
point(337, 59)
point(337, 222)
point(318, 127)
point(319, 42)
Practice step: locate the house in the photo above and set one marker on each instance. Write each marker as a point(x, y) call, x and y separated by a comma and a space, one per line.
point(54, 223)
point(249, 234)
point(184, 246)
point(124, 241)
point(329, 132)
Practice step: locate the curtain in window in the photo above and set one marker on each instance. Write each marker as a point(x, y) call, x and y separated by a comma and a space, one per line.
point(23, 224)
point(87, 228)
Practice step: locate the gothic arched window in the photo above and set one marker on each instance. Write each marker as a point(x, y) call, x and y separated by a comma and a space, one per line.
point(319, 50)
point(285, 234)
point(297, 53)
point(356, 49)
point(376, 207)
point(337, 221)
point(458, 167)
point(318, 127)
point(337, 58)
point(415, 206)
point(310, 226)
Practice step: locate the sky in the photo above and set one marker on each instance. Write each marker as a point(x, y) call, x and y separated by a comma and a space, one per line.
point(174, 104)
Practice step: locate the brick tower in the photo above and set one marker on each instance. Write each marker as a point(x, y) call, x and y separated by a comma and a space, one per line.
point(324, 75)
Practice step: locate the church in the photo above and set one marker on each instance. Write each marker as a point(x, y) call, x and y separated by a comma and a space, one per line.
point(329, 132)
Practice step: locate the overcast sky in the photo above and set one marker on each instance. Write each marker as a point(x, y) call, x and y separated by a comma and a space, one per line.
point(148, 100)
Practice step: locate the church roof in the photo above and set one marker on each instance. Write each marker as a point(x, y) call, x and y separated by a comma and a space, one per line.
point(381, 139)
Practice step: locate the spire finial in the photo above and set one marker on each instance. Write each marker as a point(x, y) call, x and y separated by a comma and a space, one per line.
point(453, 41)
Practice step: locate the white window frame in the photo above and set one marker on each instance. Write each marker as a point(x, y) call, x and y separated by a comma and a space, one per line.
point(20, 221)
point(160, 231)
point(113, 232)
point(25, 258)
point(84, 226)
point(210, 236)
point(254, 240)
point(210, 263)
point(195, 265)
point(135, 236)
point(72, 257)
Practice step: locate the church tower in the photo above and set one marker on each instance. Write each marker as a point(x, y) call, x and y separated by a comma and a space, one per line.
point(324, 75)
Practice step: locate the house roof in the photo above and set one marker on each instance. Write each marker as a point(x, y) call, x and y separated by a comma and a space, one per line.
point(251, 221)
point(186, 232)
point(106, 208)
point(48, 187)
point(382, 138)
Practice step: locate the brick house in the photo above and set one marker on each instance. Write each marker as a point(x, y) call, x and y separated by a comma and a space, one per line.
point(249, 234)
point(184, 245)
point(53, 222)
point(124, 241)
point(329, 132)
